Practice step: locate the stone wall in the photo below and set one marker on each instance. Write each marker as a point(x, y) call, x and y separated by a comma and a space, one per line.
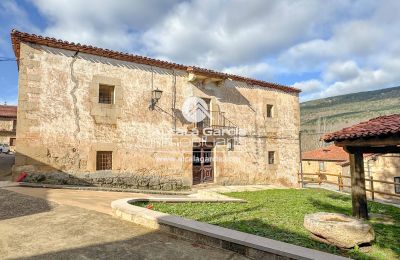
point(7, 130)
point(61, 125)
point(381, 167)
point(330, 168)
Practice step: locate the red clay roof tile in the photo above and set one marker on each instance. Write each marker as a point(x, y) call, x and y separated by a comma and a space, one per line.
point(8, 111)
point(377, 127)
point(18, 37)
point(328, 153)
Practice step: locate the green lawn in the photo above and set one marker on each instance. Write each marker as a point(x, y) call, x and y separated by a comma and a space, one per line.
point(278, 214)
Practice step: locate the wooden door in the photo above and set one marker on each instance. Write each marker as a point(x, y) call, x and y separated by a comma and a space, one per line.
point(202, 163)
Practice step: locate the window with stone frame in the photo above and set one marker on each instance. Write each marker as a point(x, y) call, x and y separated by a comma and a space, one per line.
point(397, 186)
point(106, 94)
point(270, 110)
point(103, 160)
point(271, 157)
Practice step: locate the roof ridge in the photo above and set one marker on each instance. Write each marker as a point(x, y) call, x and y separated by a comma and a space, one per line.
point(18, 36)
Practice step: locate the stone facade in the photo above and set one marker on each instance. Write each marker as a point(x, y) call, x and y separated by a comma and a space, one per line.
point(310, 166)
point(381, 167)
point(62, 125)
point(8, 123)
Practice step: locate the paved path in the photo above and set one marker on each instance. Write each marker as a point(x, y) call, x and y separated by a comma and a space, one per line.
point(93, 200)
point(34, 228)
point(6, 163)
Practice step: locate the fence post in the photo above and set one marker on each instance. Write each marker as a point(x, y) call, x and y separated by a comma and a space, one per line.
point(319, 178)
point(371, 186)
point(339, 178)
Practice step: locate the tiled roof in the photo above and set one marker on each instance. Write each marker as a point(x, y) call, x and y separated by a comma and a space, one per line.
point(18, 37)
point(8, 111)
point(382, 126)
point(328, 153)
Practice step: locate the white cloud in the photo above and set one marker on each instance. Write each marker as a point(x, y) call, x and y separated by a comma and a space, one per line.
point(12, 15)
point(107, 23)
point(339, 71)
point(309, 86)
point(221, 33)
point(258, 70)
point(349, 45)
point(347, 77)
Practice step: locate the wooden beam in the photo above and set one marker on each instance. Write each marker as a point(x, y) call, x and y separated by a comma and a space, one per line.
point(392, 140)
point(358, 193)
point(373, 149)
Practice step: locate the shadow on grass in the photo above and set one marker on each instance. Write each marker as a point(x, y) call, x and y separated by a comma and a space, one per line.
point(261, 228)
point(341, 197)
point(328, 207)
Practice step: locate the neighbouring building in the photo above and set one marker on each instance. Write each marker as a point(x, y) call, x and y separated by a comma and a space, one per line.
point(325, 160)
point(8, 125)
point(334, 160)
point(95, 116)
point(374, 159)
point(384, 170)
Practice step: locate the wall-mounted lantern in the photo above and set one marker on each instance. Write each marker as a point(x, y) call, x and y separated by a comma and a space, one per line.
point(155, 96)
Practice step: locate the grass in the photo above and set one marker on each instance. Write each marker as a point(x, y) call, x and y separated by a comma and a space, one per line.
point(279, 214)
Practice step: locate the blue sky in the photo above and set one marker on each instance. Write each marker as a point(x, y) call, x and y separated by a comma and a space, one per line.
point(326, 48)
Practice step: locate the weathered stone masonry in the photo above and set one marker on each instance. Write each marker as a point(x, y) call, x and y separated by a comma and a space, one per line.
point(62, 125)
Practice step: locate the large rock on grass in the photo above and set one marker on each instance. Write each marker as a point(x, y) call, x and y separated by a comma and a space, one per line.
point(338, 229)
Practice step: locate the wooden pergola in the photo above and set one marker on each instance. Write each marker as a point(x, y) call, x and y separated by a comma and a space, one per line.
point(378, 135)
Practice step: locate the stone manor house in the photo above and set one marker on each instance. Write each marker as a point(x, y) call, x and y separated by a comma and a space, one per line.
point(93, 116)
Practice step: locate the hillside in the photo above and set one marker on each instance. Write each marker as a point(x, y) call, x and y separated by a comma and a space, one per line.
point(333, 113)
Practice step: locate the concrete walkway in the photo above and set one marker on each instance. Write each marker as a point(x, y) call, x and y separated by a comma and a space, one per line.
point(99, 201)
point(35, 228)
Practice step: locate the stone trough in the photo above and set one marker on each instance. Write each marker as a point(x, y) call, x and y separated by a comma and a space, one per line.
point(338, 229)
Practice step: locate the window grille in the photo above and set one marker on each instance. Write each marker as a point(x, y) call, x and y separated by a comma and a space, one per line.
point(106, 94)
point(103, 161)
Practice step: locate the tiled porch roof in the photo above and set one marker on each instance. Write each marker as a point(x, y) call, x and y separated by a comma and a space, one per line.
point(382, 126)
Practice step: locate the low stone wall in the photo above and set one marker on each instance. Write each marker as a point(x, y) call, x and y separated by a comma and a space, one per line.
point(110, 180)
point(251, 246)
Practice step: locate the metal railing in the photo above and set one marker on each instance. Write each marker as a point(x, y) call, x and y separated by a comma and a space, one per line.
point(217, 119)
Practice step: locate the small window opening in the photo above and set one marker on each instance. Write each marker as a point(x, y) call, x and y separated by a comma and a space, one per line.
point(271, 157)
point(106, 94)
point(103, 161)
point(270, 110)
point(231, 144)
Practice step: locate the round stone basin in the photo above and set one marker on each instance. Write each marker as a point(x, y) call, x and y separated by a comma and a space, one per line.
point(338, 229)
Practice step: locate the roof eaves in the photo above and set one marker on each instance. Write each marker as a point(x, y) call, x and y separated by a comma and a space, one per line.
point(17, 37)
